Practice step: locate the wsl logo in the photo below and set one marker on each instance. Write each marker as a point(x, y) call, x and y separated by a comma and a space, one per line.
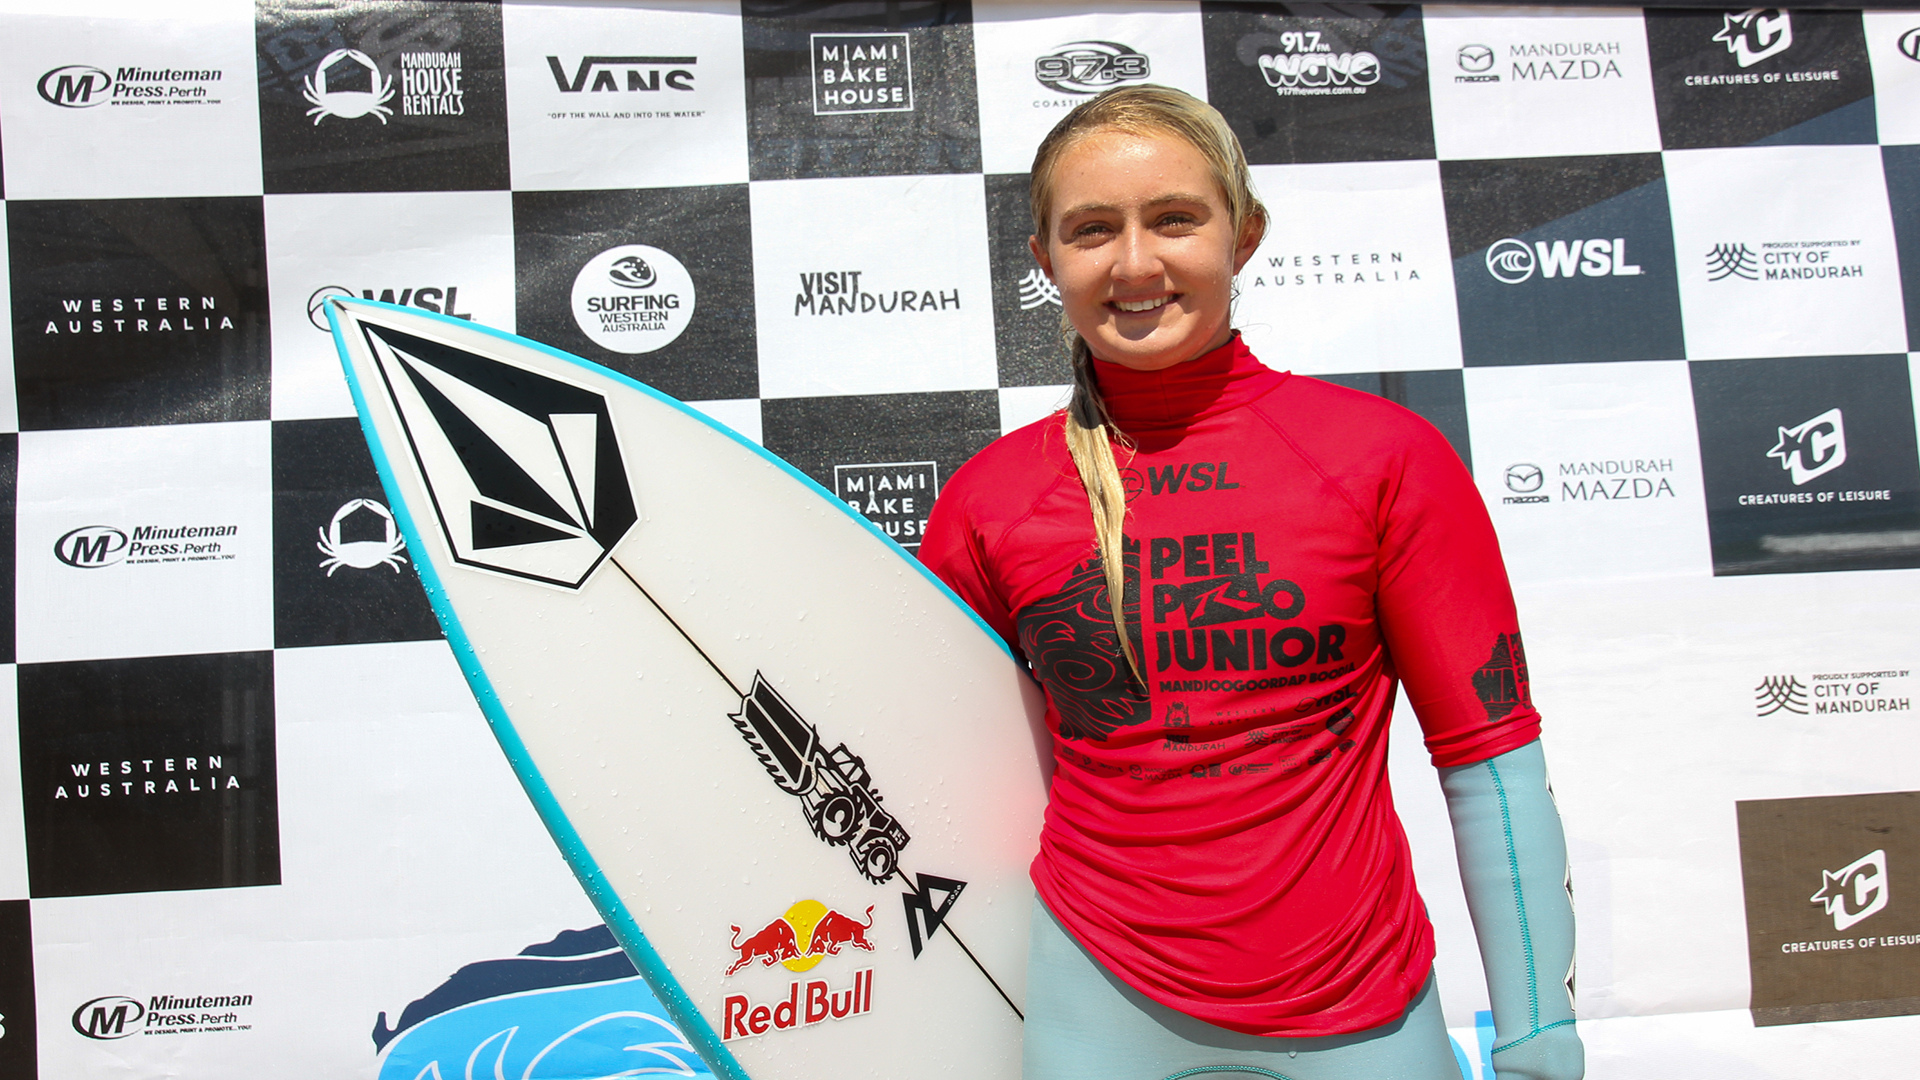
point(90, 547)
point(1512, 261)
point(1812, 449)
point(1856, 891)
point(1088, 67)
point(633, 299)
point(441, 300)
point(526, 470)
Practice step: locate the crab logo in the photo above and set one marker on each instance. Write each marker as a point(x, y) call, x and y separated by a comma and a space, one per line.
point(361, 554)
point(1862, 881)
point(631, 272)
point(524, 471)
point(348, 104)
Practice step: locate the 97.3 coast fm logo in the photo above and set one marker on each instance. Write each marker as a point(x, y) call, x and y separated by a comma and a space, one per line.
point(633, 299)
point(1082, 68)
point(117, 1016)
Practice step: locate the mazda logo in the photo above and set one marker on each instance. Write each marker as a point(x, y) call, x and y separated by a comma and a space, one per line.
point(1524, 478)
point(1474, 58)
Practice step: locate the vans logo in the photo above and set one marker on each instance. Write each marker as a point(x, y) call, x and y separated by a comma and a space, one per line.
point(641, 72)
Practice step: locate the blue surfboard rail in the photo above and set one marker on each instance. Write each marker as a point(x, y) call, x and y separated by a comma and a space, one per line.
point(573, 849)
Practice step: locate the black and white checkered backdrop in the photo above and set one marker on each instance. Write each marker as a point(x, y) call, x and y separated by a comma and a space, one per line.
point(1657, 276)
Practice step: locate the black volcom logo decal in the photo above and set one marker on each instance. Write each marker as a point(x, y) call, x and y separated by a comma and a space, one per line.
point(832, 785)
point(525, 470)
point(1070, 641)
point(1501, 683)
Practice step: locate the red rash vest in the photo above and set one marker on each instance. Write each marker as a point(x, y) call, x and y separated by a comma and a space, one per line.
point(1226, 841)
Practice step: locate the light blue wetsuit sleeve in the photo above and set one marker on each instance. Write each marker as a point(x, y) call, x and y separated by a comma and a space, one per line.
point(1513, 862)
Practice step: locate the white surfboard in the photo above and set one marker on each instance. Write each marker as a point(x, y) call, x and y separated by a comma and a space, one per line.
point(798, 778)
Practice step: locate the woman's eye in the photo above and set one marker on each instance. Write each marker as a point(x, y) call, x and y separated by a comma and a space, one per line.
point(1091, 228)
point(1177, 221)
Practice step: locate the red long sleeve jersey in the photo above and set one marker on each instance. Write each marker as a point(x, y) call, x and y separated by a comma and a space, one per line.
point(1225, 841)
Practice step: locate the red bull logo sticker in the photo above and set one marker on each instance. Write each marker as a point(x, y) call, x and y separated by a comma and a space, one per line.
point(808, 933)
point(805, 1004)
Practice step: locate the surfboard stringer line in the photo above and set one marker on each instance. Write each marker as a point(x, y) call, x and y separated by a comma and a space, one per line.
point(673, 997)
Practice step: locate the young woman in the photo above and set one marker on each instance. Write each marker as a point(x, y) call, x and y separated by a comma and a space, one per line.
point(1223, 886)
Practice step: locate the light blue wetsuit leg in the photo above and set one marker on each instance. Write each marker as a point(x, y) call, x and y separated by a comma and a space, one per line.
point(1513, 863)
point(1083, 1023)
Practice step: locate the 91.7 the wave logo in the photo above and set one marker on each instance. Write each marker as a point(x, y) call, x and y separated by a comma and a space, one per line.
point(1306, 63)
point(1088, 67)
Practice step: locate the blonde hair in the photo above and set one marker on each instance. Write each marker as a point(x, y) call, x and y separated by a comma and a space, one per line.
point(1139, 110)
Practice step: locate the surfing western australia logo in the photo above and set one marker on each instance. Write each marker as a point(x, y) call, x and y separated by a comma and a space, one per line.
point(572, 1006)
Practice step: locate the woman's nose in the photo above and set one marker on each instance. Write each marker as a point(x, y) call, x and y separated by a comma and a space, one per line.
point(1137, 259)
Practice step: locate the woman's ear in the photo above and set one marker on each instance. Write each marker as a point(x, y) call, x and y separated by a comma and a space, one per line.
point(1040, 256)
point(1251, 233)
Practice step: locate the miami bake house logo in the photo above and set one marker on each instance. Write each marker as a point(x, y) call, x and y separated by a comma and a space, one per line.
point(861, 73)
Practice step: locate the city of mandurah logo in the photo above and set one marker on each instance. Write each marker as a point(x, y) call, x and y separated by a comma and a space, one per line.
point(439, 299)
point(1756, 34)
point(1833, 693)
point(349, 84)
point(93, 547)
point(1785, 260)
point(1088, 67)
point(895, 495)
point(117, 1016)
point(633, 299)
point(1513, 262)
point(80, 86)
point(862, 73)
point(1304, 62)
point(618, 74)
point(1856, 891)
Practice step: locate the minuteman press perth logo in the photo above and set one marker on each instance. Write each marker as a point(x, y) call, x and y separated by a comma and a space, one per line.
point(117, 1016)
point(91, 547)
point(79, 86)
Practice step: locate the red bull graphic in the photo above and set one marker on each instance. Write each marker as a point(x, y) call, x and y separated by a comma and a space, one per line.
point(805, 1004)
point(809, 932)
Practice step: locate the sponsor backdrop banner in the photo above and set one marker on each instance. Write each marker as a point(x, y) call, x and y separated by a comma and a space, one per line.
point(1655, 274)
